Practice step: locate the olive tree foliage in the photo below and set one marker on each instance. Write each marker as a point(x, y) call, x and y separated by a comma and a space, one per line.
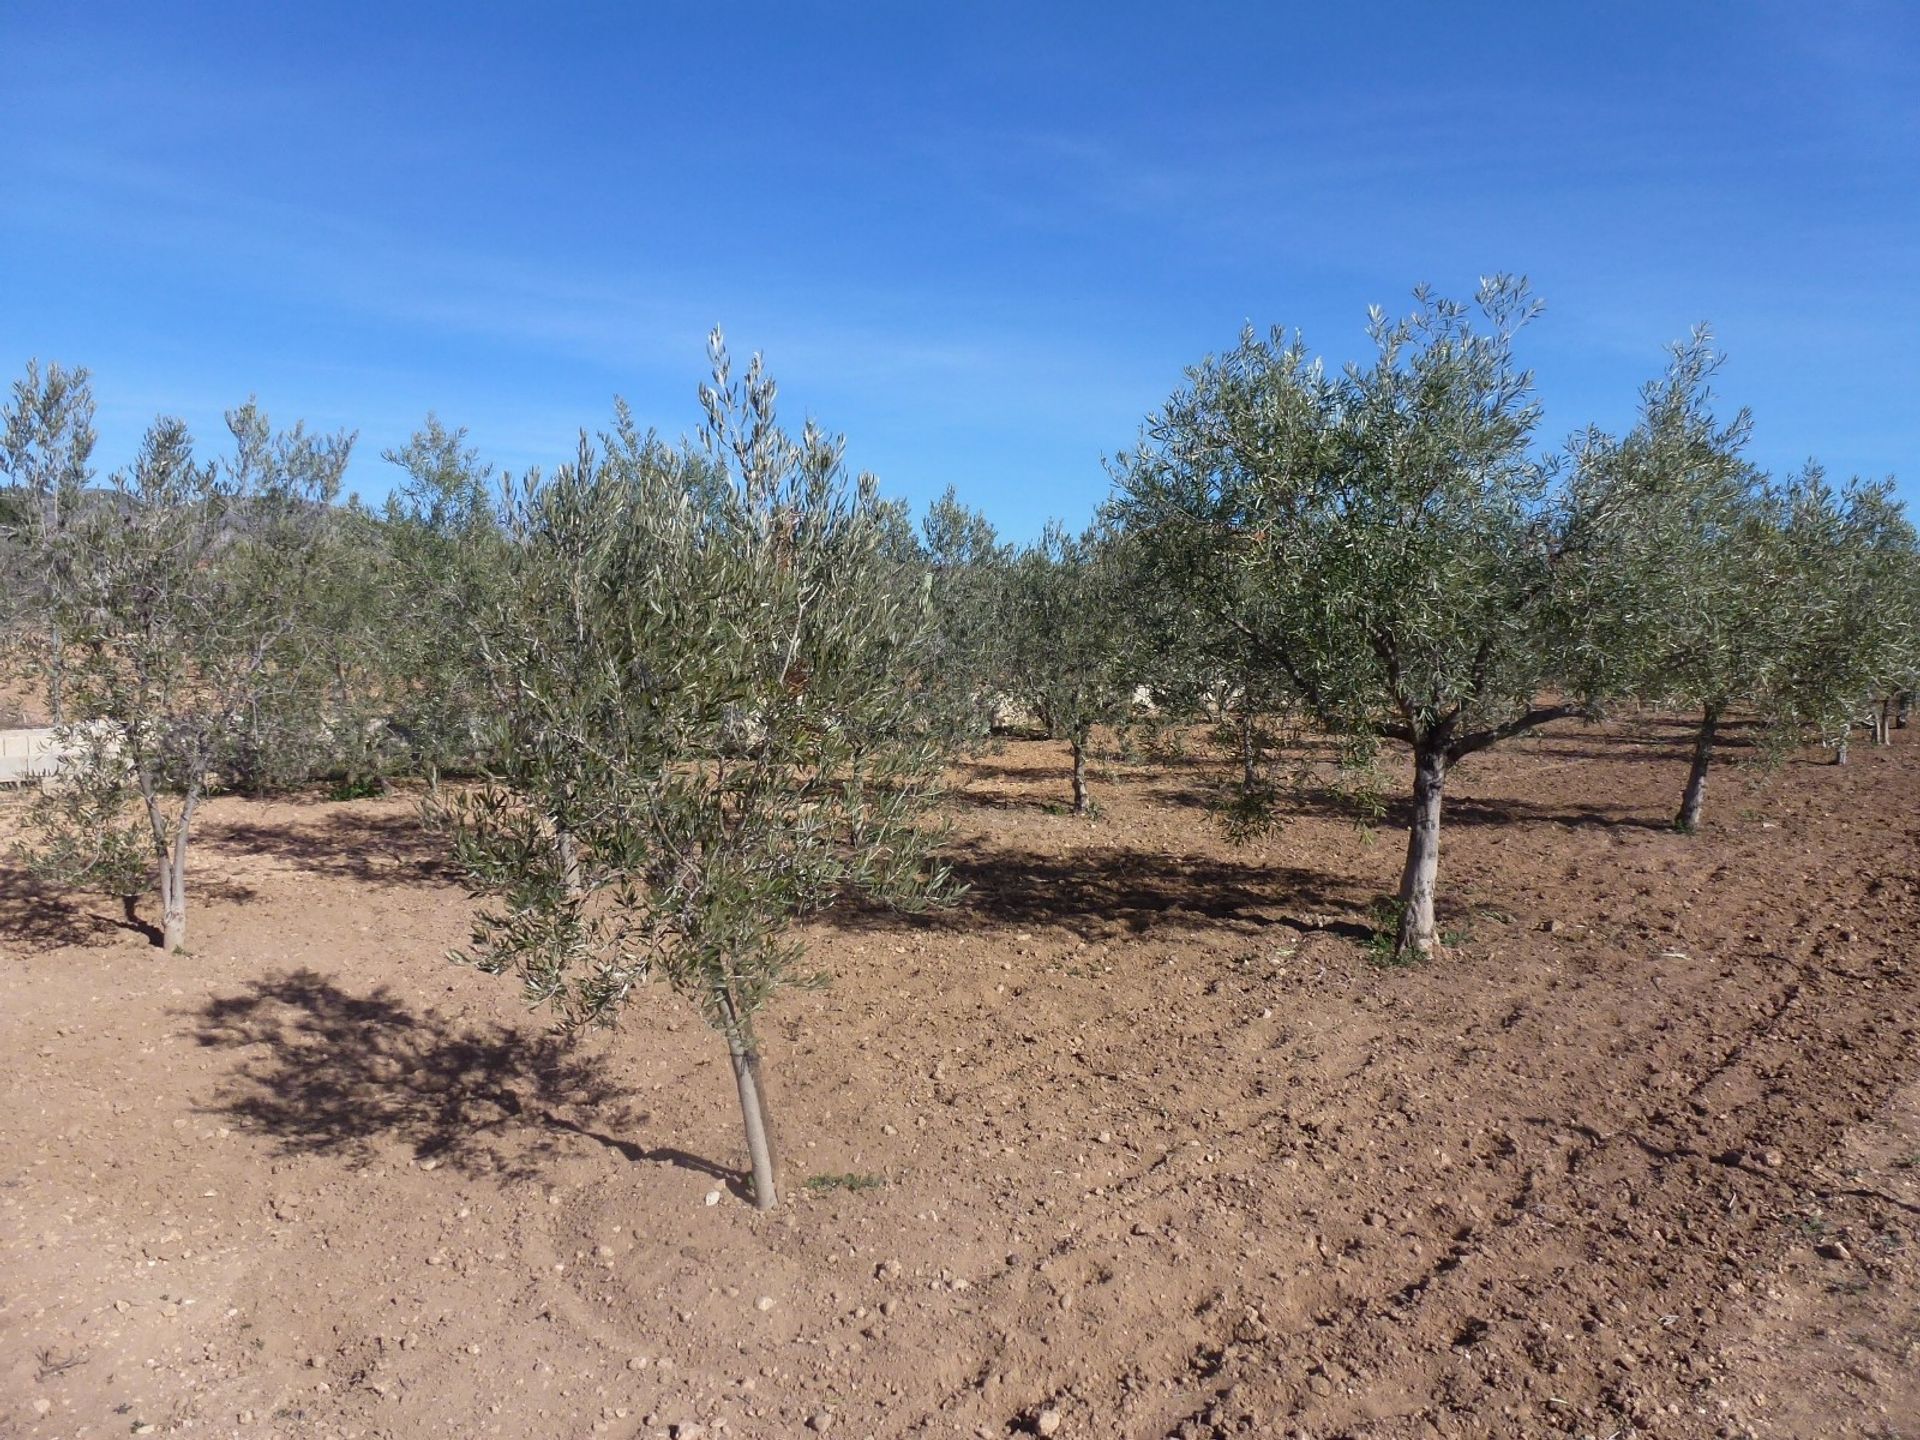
point(1200, 670)
point(1072, 653)
point(46, 445)
point(1685, 557)
point(1851, 607)
point(713, 690)
point(179, 615)
point(443, 535)
point(1382, 540)
point(968, 567)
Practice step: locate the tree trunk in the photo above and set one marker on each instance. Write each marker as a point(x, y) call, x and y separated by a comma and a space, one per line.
point(1902, 707)
point(1840, 756)
point(746, 1076)
point(173, 890)
point(1416, 933)
point(1696, 791)
point(1079, 775)
point(569, 851)
point(1248, 770)
point(1883, 723)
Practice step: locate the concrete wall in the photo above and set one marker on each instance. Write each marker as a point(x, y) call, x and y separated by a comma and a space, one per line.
point(27, 755)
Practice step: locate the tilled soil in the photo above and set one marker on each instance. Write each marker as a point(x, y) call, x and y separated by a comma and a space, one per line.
point(1139, 1139)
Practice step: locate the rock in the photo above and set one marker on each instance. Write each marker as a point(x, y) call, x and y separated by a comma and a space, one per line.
point(713, 1197)
point(688, 1430)
point(763, 1304)
point(1047, 1422)
point(42, 1406)
point(1835, 1250)
point(821, 1420)
point(638, 1362)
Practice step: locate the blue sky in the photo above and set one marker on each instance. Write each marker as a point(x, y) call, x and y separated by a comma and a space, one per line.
point(982, 240)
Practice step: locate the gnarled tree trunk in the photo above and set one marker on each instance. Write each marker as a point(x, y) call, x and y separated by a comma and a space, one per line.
point(1080, 806)
point(1417, 880)
point(1696, 791)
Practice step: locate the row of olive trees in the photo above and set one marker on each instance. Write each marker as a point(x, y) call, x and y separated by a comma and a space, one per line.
point(704, 689)
point(1386, 546)
point(1384, 550)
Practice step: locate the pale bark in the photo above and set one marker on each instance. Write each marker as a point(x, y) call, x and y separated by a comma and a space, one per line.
point(170, 846)
point(1249, 770)
point(746, 1077)
point(1696, 791)
point(1079, 776)
point(569, 851)
point(1417, 880)
point(1840, 756)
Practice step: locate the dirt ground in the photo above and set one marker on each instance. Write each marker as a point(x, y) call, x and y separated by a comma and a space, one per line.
point(1139, 1140)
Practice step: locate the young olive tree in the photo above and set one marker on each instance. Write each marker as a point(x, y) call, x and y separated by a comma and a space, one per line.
point(1071, 655)
point(969, 567)
point(178, 611)
point(46, 445)
point(1684, 556)
point(712, 686)
point(1381, 539)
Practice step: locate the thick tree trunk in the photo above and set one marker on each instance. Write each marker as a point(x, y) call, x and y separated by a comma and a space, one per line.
point(1696, 791)
point(1079, 775)
point(1416, 933)
point(746, 1077)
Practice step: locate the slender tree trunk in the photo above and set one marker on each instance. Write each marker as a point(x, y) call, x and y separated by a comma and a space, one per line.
point(173, 889)
point(1696, 791)
point(1840, 756)
point(569, 851)
point(1079, 775)
point(1883, 723)
point(1248, 777)
point(746, 1077)
point(1416, 933)
point(57, 681)
point(1902, 707)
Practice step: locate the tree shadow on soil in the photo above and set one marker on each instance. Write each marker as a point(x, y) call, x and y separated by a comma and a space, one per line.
point(1119, 892)
point(325, 1072)
point(384, 850)
point(48, 917)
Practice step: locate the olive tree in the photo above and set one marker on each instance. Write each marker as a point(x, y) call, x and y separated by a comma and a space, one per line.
point(178, 608)
point(1684, 550)
point(711, 682)
point(46, 445)
point(968, 568)
point(1382, 539)
point(1071, 651)
point(1849, 611)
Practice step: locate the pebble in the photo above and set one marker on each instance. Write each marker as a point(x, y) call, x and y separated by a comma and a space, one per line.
point(821, 1420)
point(763, 1304)
point(1047, 1422)
point(713, 1197)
